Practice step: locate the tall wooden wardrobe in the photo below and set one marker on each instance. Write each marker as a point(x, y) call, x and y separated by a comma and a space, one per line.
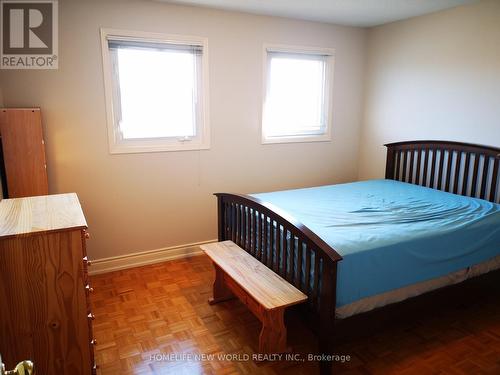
point(23, 168)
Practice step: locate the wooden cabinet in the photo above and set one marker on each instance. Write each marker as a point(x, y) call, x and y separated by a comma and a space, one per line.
point(44, 289)
point(23, 151)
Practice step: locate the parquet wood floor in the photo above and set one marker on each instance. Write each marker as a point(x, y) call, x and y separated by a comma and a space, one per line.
point(145, 314)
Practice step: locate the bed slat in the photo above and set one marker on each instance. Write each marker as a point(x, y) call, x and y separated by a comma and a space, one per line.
point(458, 165)
point(307, 270)
point(233, 222)
point(419, 159)
point(494, 180)
point(465, 183)
point(426, 165)
point(440, 169)
point(316, 279)
point(448, 170)
point(475, 177)
point(433, 168)
point(485, 172)
point(405, 162)
point(398, 163)
point(412, 161)
point(298, 273)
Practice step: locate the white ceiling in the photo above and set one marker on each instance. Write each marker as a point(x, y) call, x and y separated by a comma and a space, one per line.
point(363, 13)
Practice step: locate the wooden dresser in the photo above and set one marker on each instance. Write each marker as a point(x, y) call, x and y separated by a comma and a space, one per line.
point(44, 292)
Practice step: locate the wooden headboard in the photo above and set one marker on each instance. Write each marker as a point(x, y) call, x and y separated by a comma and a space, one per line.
point(455, 167)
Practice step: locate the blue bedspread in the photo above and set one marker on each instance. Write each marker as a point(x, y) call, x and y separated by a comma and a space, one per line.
point(392, 234)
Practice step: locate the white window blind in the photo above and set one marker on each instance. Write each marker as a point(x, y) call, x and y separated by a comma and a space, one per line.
point(157, 86)
point(157, 94)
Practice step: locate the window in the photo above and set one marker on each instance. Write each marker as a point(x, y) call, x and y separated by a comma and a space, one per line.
point(297, 103)
point(156, 88)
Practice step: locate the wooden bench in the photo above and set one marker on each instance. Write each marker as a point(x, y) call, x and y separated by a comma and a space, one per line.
point(264, 292)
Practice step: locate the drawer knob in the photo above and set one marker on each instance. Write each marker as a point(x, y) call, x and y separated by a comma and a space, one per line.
point(24, 367)
point(89, 288)
point(87, 261)
point(93, 342)
point(91, 316)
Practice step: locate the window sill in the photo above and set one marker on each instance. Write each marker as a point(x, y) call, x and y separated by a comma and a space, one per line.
point(297, 139)
point(134, 148)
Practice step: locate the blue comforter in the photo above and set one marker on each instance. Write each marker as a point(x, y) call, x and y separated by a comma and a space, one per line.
point(392, 234)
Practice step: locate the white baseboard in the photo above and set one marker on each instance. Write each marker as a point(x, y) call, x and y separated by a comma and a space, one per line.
point(146, 257)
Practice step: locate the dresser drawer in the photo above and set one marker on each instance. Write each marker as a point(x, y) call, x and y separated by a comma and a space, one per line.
point(44, 313)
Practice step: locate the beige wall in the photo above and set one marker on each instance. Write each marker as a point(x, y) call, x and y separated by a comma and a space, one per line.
point(138, 202)
point(432, 77)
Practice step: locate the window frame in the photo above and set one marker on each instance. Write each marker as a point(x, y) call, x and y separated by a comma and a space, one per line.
point(329, 54)
point(118, 145)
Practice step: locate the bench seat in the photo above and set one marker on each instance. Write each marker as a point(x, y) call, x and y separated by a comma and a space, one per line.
point(264, 292)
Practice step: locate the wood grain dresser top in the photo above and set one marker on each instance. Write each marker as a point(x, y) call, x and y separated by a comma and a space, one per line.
point(46, 213)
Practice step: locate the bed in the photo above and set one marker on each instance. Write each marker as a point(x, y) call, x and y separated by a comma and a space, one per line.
point(433, 221)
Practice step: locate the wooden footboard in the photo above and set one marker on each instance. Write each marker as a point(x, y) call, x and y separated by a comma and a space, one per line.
point(290, 249)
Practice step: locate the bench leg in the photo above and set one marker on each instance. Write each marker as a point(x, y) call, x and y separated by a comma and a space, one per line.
point(273, 334)
point(220, 290)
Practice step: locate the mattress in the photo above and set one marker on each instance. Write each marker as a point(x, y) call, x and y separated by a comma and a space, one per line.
point(393, 234)
point(397, 295)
